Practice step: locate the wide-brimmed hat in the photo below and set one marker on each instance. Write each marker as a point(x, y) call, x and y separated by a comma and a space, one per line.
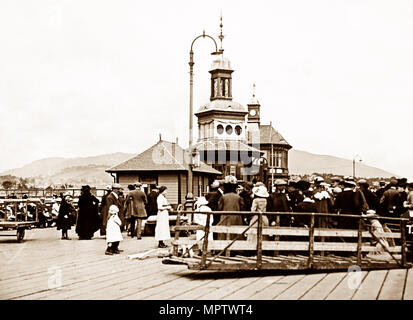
point(215, 184)
point(230, 180)
point(116, 186)
point(162, 189)
point(113, 209)
point(318, 179)
point(260, 191)
point(280, 182)
point(138, 184)
point(409, 181)
point(349, 183)
point(201, 201)
point(393, 182)
point(363, 182)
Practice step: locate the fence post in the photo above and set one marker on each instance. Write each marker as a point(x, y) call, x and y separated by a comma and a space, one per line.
point(359, 241)
point(277, 238)
point(259, 241)
point(205, 243)
point(310, 260)
point(176, 236)
point(403, 241)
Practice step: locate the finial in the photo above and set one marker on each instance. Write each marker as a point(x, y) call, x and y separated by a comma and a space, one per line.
point(203, 33)
point(160, 137)
point(221, 36)
point(253, 90)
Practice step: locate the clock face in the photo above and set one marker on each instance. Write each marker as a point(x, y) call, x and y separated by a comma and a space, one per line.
point(253, 112)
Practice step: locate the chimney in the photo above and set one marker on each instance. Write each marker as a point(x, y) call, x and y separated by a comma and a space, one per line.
point(173, 149)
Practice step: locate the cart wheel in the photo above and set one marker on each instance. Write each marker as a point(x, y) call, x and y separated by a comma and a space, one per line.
point(20, 235)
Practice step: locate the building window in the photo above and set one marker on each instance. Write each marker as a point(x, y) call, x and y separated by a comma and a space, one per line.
point(215, 87)
point(279, 160)
point(228, 130)
point(220, 129)
point(226, 87)
point(238, 130)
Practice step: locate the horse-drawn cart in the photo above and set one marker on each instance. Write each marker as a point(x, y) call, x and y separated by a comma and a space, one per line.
point(15, 215)
point(321, 244)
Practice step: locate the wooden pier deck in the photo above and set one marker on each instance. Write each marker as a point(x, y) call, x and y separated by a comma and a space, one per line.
point(45, 267)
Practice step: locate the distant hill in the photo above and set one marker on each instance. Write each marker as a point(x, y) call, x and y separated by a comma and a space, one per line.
point(91, 170)
point(302, 162)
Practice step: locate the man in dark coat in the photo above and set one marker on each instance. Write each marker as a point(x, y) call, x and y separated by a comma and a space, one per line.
point(113, 198)
point(103, 209)
point(230, 201)
point(135, 204)
point(391, 201)
point(348, 202)
point(370, 197)
point(217, 190)
point(88, 218)
point(307, 205)
point(152, 206)
point(278, 202)
point(245, 194)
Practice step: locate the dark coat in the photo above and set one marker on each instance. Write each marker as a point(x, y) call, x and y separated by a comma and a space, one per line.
point(278, 202)
point(135, 204)
point(371, 198)
point(88, 216)
point(304, 206)
point(66, 217)
point(391, 203)
point(152, 205)
point(348, 202)
point(110, 200)
point(213, 199)
point(230, 202)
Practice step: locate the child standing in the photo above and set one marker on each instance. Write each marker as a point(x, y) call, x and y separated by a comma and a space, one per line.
point(113, 233)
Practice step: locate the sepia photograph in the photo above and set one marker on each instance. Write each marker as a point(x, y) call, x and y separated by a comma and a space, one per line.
point(205, 156)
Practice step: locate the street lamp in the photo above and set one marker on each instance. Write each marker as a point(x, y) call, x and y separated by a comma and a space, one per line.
point(358, 158)
point(190, 196)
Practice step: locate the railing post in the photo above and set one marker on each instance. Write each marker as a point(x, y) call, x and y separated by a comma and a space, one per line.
point(259, 241)
point(176, 236)
point(403, 241)
point(359, 241)
point(205, 243)
point(310, 260)
point(277, 238)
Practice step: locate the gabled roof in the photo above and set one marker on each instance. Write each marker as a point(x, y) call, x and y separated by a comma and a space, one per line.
point(163, 156)
point(268, 135)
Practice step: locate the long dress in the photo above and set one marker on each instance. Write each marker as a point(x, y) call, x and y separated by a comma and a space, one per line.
point(88, 216)
point(64, 219)
point(201, 219)
point(162, 220)
point(258, 205)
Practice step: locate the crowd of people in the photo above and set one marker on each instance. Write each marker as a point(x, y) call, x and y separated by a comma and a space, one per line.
point(117, 212)
point(340, 196)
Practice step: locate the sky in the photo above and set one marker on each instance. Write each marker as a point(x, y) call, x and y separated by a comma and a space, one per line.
point(88, 77)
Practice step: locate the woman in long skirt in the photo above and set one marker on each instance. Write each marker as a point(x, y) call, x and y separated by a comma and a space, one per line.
point(162, 232)
point(88, 216)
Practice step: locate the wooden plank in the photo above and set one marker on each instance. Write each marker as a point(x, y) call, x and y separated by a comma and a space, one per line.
point(274, 289)
point(229, 289)
point(393, 285)
point(254, 287)
point(295, 231)
point(371, 285)
point(321, 290)
point(301, 287)
point(408, 290)
point(311, 244)
point(346, 288)
point(209, 288)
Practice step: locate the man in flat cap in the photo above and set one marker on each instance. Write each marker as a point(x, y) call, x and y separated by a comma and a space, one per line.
point(113, 199)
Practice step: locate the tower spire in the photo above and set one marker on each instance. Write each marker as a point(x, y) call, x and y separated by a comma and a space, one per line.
point(253, 90)
point(221, 36)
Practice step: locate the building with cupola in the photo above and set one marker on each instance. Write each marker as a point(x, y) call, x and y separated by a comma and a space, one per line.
point(232, 139)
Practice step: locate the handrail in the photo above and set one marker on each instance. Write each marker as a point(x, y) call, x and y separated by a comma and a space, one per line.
point(298, 213)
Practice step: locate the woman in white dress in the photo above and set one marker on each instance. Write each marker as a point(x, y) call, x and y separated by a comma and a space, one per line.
point(162, 220)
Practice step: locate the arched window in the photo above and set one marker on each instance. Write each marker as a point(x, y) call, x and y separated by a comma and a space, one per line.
point(228, 130)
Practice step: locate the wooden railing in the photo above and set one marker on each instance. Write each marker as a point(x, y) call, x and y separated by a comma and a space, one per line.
point(307, 240)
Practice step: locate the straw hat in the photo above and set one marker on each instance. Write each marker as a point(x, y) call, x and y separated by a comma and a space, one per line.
point(260, 191)
point(215, 184)
point(116, 186)
point(280, 182)
point(230, 180)
point(201, 201)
